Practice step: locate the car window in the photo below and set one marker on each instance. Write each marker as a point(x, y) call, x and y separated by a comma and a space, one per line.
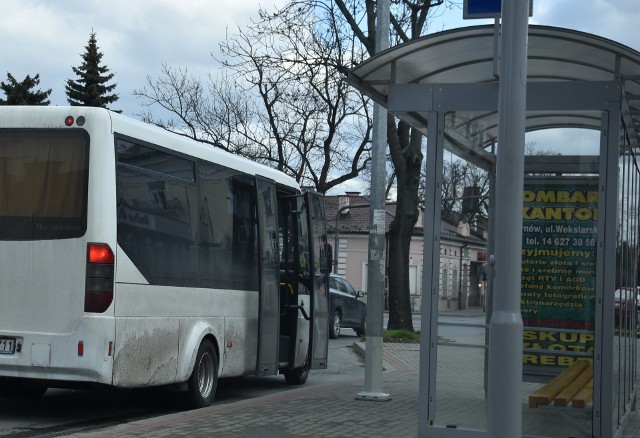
point(350, 289)
point(346, 287)
point(337, 283)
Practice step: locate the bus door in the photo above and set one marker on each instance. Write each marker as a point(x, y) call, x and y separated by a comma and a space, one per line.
point(319, 269)
point(295, 301)
point(269, 312)
point(304, 307)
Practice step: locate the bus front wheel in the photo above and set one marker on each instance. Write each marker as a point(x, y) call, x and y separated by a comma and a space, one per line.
point(204, 377)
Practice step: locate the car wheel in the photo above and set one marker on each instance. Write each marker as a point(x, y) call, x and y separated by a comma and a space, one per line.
point(360, 331)
point(334, 330)
point(204, 377)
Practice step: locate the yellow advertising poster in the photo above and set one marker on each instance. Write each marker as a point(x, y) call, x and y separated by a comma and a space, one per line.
point(559, 237)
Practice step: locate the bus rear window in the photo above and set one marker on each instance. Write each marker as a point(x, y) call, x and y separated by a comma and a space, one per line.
point(43, 183)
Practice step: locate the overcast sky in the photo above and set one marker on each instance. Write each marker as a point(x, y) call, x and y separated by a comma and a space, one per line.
point(137, 36)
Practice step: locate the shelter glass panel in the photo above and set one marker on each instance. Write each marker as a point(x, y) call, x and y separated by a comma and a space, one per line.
point(559, 283)
point(626, 296)
point(558, 301)
point(461, 378)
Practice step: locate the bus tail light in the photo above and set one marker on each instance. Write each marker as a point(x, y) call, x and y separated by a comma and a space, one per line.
point(99, 278)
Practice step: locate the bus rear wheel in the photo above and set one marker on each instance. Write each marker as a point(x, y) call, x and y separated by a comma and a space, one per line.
point(204, 377)
point(297, 376)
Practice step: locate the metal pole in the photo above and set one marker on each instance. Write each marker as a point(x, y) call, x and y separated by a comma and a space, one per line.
point(505, 352)
point(377, 219)
point(336, 238)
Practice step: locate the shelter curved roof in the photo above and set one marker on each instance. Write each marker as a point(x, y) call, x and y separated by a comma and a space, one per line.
point(466, 55)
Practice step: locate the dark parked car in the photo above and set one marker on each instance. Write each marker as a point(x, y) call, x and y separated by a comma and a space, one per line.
point(345, 309)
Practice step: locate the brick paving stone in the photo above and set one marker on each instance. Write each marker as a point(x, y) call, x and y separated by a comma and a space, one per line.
point(330, 410)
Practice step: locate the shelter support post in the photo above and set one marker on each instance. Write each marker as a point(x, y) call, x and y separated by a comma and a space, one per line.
point(430, 274)
point(605, 422)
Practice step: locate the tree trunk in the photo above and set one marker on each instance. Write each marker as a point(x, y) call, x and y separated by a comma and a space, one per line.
point(406, 153)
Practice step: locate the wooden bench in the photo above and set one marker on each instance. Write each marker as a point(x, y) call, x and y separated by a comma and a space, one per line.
point(574, 384)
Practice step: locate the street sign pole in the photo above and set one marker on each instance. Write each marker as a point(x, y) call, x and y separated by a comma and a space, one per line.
point(377, 219)
point(505, 327)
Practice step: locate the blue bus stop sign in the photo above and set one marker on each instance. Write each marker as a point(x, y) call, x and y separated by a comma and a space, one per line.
point(485, 8)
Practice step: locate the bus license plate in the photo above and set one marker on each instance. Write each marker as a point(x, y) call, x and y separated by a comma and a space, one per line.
point(7, 345)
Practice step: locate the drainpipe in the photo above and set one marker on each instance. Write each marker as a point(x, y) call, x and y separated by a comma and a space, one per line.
point(464, 245)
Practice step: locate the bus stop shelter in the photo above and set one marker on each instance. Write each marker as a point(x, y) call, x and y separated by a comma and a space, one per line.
point(580, 229)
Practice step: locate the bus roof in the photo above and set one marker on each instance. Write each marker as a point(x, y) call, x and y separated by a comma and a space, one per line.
point(53, 117)
point(159, 136)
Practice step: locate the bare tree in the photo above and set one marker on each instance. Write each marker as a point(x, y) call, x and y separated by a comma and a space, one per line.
point(409, 19)
point(465, 190)
point(280, 100)
point(284, 76)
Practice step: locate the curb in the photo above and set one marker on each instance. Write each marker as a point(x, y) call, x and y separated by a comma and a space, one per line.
point(359, 349)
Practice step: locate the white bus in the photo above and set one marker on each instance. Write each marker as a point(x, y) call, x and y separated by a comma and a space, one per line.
point(134, 257)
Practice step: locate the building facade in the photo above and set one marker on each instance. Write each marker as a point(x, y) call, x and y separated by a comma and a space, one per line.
point(462, 254)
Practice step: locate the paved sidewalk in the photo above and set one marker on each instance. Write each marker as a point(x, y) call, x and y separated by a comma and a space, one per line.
point(330, 410)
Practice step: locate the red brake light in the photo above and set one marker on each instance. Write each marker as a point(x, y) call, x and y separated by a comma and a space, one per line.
point(100, 253)
point(99, 278)
point(68, 121)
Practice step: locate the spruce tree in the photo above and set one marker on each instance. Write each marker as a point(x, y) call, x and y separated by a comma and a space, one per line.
point(91, 89)
point(20, 93)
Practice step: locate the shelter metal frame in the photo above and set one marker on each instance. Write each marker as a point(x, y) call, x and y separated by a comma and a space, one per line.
point(574, 80)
